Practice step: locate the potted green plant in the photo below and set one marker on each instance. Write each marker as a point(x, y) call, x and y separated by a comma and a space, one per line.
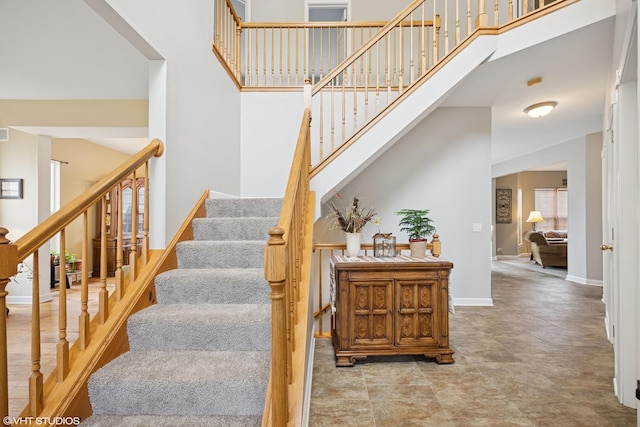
point(418, 226)
point(70, 261)
point(53, 257)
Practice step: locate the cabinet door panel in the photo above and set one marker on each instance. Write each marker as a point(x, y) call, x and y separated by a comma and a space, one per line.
point(417, 319)
point(371, 317)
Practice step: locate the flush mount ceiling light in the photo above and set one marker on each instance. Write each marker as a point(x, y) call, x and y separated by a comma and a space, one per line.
point(541, 109)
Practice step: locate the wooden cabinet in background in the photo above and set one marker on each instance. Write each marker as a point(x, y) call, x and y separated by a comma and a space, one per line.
point(389, 306)
point(111, 218)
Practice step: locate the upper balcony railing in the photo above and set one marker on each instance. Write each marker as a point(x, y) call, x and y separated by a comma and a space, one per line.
point(359, 70)
point(283, 55)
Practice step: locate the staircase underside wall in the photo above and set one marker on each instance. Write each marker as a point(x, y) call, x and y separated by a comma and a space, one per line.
point(399, 120)
point(441, 164)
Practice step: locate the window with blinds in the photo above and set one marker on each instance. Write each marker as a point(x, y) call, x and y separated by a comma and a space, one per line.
point(553, 206)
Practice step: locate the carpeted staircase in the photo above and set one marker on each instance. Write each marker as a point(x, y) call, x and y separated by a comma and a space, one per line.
point(201, 356)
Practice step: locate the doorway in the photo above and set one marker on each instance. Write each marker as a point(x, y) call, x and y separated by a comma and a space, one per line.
point(328, 47)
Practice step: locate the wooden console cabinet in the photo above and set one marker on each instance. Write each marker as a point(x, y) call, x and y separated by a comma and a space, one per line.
point(390, 306)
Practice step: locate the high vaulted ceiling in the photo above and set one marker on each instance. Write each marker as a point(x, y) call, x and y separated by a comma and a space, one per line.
point(64, 50)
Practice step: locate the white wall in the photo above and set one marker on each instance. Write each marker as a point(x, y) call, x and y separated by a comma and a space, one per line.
point(269, 136)
point(441, 166)
point(27, 157)
point(44, 63)
point(202, 149)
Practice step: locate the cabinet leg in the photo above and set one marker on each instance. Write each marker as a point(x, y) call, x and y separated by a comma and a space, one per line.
point(348, 360)
point(443, 358)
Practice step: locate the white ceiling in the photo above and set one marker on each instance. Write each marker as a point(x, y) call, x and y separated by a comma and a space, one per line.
point(574, 69)
point(66, 51)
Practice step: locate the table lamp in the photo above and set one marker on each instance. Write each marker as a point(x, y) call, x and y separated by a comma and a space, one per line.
point(535, 217)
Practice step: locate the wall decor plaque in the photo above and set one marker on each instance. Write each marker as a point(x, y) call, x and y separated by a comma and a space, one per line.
point(503, 206)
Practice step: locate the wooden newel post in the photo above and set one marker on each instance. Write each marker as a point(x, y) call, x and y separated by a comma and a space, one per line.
point(436, 246)
point(8, 269)
point(275, 262)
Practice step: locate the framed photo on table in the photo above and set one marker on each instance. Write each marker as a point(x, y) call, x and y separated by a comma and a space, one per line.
point(11, 188)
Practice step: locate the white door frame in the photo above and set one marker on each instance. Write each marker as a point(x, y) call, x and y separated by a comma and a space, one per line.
point(621, 229)
point(329, 4)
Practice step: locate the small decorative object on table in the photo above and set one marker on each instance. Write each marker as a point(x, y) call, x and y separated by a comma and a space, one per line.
point(351, 219)
point(384, 245)
point(418, 226)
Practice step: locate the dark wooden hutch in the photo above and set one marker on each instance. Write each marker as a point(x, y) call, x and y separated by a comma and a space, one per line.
point(111, 218)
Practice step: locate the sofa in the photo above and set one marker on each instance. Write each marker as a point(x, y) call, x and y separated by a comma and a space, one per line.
point(548, 249)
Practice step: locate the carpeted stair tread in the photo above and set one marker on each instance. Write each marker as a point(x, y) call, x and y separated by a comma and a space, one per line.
point(244, 207)
point(172, 421)
point(212, 286)
point(181, 383)
point(221, 254)
point(201, 356)
point(243, 228)
point(201, 327)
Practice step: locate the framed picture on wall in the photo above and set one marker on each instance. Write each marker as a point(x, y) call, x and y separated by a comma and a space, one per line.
point(503, 206)
point(11, 188)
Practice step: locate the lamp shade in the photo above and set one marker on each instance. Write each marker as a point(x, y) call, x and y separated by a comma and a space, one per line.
point(535, 216)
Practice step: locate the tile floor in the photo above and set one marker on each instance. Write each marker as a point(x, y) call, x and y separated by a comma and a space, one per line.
point(539, 357)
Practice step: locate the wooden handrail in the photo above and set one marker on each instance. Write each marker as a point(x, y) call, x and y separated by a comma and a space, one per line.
point(287, 59)
point(11, 254)
point(435, 246)
point(233, 13)
point(397, 60)
point(48, 228)
point(317, 24)
point(286, 267)
point(355, 55)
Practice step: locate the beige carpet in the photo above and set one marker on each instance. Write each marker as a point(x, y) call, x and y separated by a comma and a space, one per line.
point(526, 263)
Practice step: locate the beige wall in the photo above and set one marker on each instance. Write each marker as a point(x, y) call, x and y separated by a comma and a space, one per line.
point(103, 113)
point(507, 234)
point(87, 163)
point(28, 156)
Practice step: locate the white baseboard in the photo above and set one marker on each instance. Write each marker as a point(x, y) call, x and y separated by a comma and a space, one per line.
point(583, 281)
point(219, 195)
point(309, 381)
point(26, 299)
point(485, 302)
